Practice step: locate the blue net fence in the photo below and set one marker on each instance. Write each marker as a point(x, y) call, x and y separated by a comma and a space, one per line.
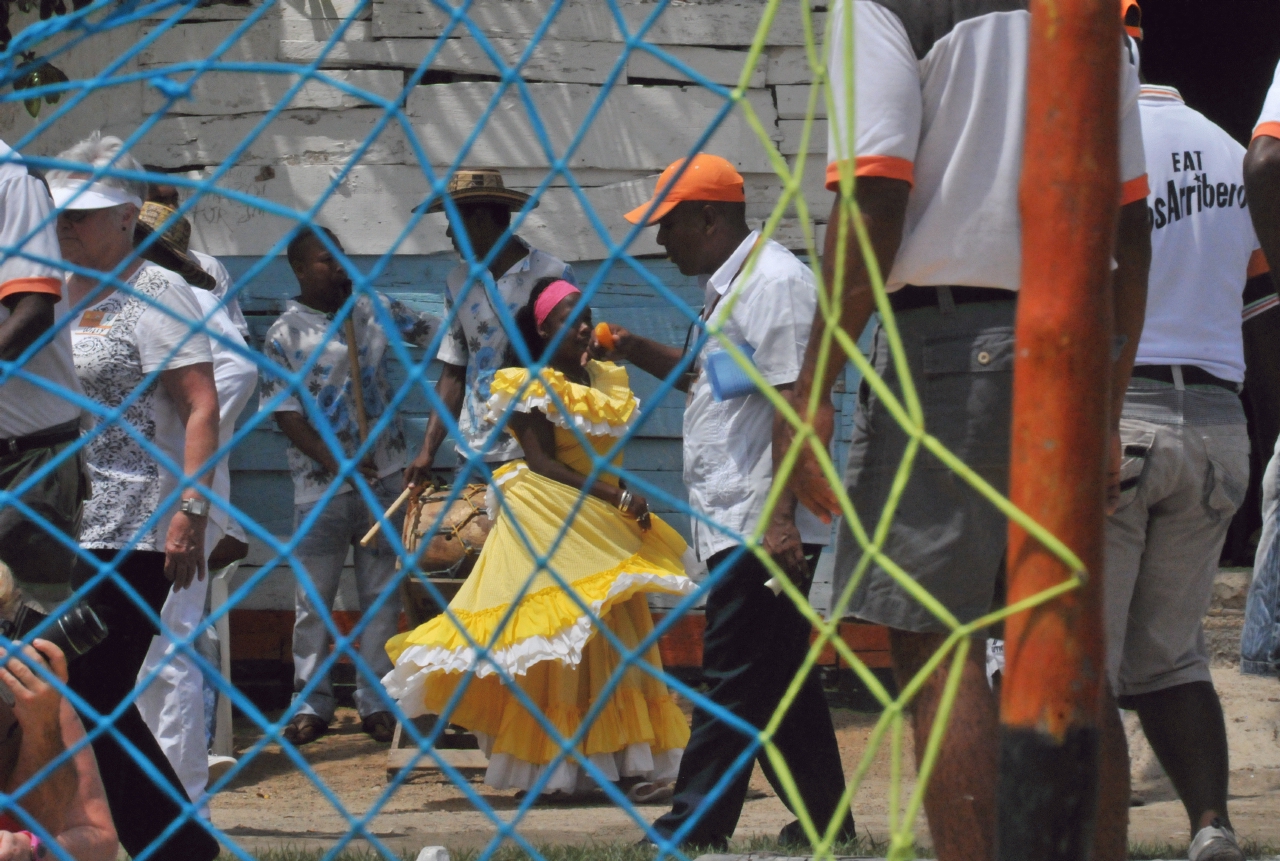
point(271, 119)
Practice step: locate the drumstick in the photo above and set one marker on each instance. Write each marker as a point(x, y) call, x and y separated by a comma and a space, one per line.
point(357, 387)
point(377, 526)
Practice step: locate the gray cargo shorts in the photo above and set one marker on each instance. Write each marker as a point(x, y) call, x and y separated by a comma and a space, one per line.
point(1183, 476)
point(945, 535)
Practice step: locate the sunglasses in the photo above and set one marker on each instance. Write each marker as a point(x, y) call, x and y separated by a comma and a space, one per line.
point(75, 216)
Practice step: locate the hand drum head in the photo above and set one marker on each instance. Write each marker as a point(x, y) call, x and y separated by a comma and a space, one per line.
point(460, 529)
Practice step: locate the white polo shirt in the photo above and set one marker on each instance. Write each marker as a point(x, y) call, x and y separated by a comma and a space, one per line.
point(1203, 247)
point(1269, 119)
point(26, 407)
point(728, 445)
point(940, 94)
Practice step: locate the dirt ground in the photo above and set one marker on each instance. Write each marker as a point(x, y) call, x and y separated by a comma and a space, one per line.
point(272, 804)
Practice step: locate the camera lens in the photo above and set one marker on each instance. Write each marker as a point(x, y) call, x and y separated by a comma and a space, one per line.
point(77, 630)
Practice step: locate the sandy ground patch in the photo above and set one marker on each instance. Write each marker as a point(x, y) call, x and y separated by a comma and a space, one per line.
point(272, 803)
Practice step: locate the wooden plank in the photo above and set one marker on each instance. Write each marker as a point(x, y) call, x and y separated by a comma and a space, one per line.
point(717, 65)
point(633, 129)
point(196, 41)
point(306, 136)
point(790, 65)
point(793, 102)
point(551, 60)
point(714, 22)
point(473, 761)
point(792, 130)
point(224, 93)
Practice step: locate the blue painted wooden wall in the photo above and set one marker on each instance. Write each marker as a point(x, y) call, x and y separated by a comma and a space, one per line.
point(260, 478)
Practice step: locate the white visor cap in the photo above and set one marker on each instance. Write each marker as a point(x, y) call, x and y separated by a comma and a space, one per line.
point(81, 194)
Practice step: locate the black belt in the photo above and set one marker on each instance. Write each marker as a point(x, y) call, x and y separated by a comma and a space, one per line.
point(63, 433)
point(911, 298)
point(1191, 376)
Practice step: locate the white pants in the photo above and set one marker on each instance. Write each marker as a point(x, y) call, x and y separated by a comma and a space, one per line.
point(173, 704)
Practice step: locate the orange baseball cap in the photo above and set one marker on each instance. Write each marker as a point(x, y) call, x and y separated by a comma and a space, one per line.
point(708, 177)
point(1131, 15)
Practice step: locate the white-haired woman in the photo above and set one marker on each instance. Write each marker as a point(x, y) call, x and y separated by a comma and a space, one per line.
point(132, 342)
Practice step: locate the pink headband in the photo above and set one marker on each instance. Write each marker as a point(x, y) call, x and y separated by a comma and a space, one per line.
point(550, 298)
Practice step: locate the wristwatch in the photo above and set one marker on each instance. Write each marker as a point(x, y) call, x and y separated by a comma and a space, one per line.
point(198, 507)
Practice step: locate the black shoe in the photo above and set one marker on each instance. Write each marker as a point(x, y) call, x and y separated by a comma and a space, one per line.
point(792, 835)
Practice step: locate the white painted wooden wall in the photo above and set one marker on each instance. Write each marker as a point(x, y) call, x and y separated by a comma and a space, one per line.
point(651, 115)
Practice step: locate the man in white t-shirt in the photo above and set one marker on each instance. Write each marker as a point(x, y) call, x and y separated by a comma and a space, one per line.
point(1260, 640)
point(936, 144)
point(36, 423)
point(1186, 457)
point(756, 639)
point(301, 333)
point(475, 345)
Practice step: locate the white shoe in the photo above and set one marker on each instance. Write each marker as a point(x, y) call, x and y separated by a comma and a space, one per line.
point(1216, 842)
point(218, 766)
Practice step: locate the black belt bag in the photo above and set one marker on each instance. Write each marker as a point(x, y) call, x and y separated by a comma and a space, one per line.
point(56, 435)
point(912, 298)
point(1191, 376)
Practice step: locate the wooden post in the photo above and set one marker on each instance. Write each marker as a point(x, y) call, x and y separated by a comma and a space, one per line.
point(1055, 653)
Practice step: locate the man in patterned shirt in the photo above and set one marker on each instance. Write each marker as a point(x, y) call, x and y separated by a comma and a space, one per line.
point(305, 328)
point(473, 349)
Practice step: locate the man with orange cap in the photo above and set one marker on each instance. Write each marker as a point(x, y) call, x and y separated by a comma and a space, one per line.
point(760, 298)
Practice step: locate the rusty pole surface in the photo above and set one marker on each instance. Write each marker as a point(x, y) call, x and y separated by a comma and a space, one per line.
point(1069, 200)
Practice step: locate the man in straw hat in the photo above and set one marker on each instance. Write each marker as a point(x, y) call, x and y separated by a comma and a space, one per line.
point(173, 704)
point(756, 638)
point(473, 348)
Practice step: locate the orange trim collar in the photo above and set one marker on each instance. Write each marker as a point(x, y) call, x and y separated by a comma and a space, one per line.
point(1267, 129)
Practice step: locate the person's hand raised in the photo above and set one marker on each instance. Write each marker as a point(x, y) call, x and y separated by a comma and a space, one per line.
point(36, 703)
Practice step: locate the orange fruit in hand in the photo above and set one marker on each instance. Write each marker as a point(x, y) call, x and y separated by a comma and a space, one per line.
point(604, 335)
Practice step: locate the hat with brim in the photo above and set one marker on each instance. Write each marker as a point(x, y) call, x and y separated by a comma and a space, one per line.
point(170, 248)
point(75, 194)
point(706, 178)
point(483, 185)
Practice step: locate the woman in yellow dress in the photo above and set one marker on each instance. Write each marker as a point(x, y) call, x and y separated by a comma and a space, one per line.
point(611, 554)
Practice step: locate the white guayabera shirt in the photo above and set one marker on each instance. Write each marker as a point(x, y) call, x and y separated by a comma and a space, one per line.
point(728, 456)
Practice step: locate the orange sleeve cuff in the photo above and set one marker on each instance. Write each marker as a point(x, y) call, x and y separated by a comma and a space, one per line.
point(1258, 264)
point(1135, 189)
point(887, 166)
point(1270, 130)
point(31, 285)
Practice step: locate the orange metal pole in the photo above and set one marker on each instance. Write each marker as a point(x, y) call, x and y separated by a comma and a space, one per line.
point(1054, 654)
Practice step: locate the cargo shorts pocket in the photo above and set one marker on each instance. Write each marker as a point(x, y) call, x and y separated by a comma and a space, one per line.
point(1226, 478)
point(968, 395)
point(1135, 453)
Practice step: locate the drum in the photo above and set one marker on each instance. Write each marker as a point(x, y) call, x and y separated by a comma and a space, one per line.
point(459, 536)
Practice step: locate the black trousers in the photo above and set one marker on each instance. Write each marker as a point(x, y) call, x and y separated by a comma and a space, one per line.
point(754, 644)
point(105, 676)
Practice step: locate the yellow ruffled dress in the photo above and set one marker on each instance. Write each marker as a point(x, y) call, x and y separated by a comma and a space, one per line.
point(547, 644)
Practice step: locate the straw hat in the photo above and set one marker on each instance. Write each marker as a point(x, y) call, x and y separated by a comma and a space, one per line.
point(170, 250)
point(480, 185)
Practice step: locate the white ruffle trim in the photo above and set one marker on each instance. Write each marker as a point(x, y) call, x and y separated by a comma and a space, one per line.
point(491, 493)
point(499, 402)
point(407, 677)
point(635, 760)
